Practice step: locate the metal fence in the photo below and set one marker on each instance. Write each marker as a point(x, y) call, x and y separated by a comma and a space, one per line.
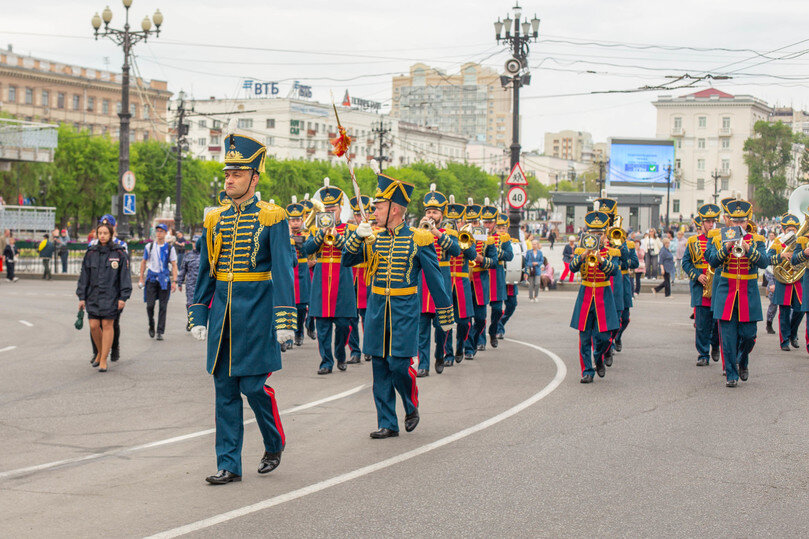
point(31, 263)
point(31, 220)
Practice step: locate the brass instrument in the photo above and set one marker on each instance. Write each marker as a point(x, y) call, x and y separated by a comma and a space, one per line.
point(592, 260)
point(737, 250)
point(317, 207)
point(707, 290)
point(320, 219)
point(616, 233)
point(465, 238)
point(784, 272)
point(426, 224)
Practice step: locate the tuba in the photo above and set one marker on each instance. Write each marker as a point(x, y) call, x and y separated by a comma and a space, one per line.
point(784, 272)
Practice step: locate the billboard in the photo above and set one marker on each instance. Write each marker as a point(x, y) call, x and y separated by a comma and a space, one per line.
point(640, 163)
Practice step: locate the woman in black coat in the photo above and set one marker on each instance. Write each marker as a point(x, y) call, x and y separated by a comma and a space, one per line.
point(104, 286)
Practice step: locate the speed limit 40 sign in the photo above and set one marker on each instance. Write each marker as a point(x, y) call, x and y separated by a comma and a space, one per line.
point(517, 197)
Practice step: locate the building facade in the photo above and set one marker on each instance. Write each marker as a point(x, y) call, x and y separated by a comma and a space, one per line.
point(797, 120)
point(709, 128)
point(38, 90)
point(471, 103)
point(549, 170)
point(570, 145)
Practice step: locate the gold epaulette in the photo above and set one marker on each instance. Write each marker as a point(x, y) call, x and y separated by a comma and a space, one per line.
point(692, 239)
point(422, 237)
point(630, 245)
point(213, 217)
point(578, 250)
point(351, 226)
point(758, 237)
point(269, 214)
point(614, 252)
point(451, 232)
point(504, 238)
point(490, 240)
point(803, 240)
point(714, 232)
point(777, 246)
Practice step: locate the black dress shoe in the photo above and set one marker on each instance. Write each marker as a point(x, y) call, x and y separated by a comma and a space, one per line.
point(448, 362)
point(715, 354)
point(600, 369)
point(269, 462)
point(458, 358)
point(283, 347)
point(786, 348)
point(159, 337)
point(608, 360)
point(730, 383)
point(493, 341)
point(744, 374)
point(501, 336)
point(102, 370)
point(481, 348)
point(587, 379)
point(115, 355)
point(223, 476)
point(151, 332)
point(93, 360)
point(469, 356)
point(618, 346)
point(341, 366)
point(353, 359)
point(794, 343)
point(311, 334)
point(94, 364)
point(411, 420)
point(692, 315)
point(299, 341)
point(323, 370)
point(384, 433)
point(702, 362)
point(368, 357)
point(439, 365)
point(422, 373)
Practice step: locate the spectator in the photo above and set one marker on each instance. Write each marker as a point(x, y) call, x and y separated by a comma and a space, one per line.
point(189, 269)
point(161, 279)
point(46, 249)
point(552, 237)
point(667, 266)
point(180, 245)
point(57, 245)
point(567, 256)
point(63, 249)
point(652, 245)
point(533, 270)
point(547, 280)
point(641, 269)
point(679, 251)
point(10, 255)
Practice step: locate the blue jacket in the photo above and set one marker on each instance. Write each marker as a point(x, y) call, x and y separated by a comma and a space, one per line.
point(529, 260)
point(667, 261)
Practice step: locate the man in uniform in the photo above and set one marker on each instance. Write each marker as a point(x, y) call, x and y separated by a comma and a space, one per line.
point(360, 289)
point(446, 246)
point(395, 258)
point(510, 305)
point(788, 296)
point(696, 267)
point(245, 300)
point(308, 207)
point(610, 207)
point(303, 282)
point(486, 258)
point(497, 274)
point(461, 288)
point(628, 265)
point(333, 303)
point(594, 315)
point(736, 301)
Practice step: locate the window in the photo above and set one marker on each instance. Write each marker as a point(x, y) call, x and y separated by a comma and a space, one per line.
point(725, 184)
point(203, 123)
point(678, 123)
point(700, 184)
point(726, 122)
point(677, 164)
point(725, 164)
point(217, 124)
point(202, 141)
point(245, 123)
point(700, 164)
point(145, 112)
point(675, 206)
point(118, 107)
point(702, 121)
point(91, 104)
point(12, 94)
point(133, 110)
point(679, 143)
point(725, 143)
point(105, 106)
point(270, 123)
point(29, 96)
point(76, 102)
point(145, 136)
point(215, 140)
point(700, 202)
point(46, 98)
point(60, 100)
point(701, 143)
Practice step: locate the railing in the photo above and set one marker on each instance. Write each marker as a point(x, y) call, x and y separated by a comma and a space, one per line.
point(27, 141)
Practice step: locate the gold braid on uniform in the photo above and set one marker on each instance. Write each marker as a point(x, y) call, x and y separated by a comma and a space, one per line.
point(423, 238)
point(214, 244)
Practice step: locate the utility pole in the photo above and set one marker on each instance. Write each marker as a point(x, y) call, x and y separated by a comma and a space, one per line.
point(668, 194)
point(600, 164)
point(715, 177)
point(182, 131)
point(380, 130)
point(502, 191)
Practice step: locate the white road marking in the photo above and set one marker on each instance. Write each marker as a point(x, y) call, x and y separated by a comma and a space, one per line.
point(26, 323)
point(175, 439)
point(561, 372)
point(7, 348)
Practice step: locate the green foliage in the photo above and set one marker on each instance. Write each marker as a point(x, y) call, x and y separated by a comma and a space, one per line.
point(767, 155)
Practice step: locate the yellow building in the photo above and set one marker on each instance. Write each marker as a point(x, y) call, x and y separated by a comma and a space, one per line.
point(471, 103)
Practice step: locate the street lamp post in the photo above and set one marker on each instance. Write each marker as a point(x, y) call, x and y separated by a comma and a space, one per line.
point(126, 38)
point(182, 131)
point(518, 75)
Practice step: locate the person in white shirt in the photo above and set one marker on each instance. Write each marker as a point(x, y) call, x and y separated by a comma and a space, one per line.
point(160, 263)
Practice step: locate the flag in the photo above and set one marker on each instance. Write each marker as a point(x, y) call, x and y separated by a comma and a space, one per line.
point(347, 100)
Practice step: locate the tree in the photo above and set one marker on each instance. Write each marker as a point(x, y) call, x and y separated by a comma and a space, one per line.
point(767, 154)
point(155, 167)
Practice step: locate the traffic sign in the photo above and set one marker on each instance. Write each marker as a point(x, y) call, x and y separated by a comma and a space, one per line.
point(517, 176)
point(128, 181)
point(517, 197)
point(129, 204)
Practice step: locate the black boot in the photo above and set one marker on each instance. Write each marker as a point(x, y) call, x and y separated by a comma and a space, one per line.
point(770, 329)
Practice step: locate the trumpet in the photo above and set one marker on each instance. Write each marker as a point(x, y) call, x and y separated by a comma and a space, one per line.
point(737, 250)
point(616, 233)
point(426, 224)
point(465, 238)
point(592, 260)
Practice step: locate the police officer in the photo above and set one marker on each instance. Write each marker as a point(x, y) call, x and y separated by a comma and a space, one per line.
point(497, 274)
point(788, 296)
point(486, 258)
point(461, 287)
point(360, 289)
point(736, 301)
point(303, 282)
point(446, 246)
point(115, 353)
point(699, 272)
point(332, 304)
point(395, 257)
point(246, 275)
point(594, 314)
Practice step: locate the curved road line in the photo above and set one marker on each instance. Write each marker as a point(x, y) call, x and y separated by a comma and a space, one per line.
point(561, 372)
point(175, 439)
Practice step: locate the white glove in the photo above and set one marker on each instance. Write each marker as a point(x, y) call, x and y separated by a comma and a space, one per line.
point(364, 229)
point(200, 333)
point(448, 327)
point(284, 335)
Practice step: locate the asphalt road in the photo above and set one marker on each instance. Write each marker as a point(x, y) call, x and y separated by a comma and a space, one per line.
point(509, 444)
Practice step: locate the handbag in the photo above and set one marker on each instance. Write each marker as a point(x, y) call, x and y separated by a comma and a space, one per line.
point(79, 319)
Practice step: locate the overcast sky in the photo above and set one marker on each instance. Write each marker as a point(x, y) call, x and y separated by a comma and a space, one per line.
point(324, 43)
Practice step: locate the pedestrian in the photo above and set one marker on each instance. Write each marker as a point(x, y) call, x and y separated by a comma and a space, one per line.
point(3, 242)
point(46, 249)
point(652, 246)
point(679, 248)
point(104, 286)
point(181, 246)
point(11, 254)
point(160, 259)
point(64, 250)
point(189, 269)
point(667, 268)
point(115, 353)
point(567, 256)
point(547, 280)
point(641, 269)
point(533, 269)
point(552, 237)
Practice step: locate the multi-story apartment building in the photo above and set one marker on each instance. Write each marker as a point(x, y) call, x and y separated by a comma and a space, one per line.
point(572, 145)
point(471, 103)
point(796, 119)
point(709, 128)
point(34, 89)
point(299, 129)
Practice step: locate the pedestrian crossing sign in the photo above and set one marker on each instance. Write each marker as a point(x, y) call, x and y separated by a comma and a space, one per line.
point(129, 204)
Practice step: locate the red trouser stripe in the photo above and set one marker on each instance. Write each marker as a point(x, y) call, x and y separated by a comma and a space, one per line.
point(414, 392)
point(275, 415)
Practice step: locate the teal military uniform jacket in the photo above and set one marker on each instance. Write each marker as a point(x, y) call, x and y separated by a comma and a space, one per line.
point(246, 276)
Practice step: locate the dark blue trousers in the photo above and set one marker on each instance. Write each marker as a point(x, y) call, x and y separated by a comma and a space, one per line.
point(478, 334)
point(707, 332)
point(508, 309)
point(354, 334)
point(229, 419)
point(303, 310)
point(789, 320)
point(497, 314)
point(738, 340)
point(592, 340)
point(441, 337)
point(624, 317)
point(393, 374)
point(324, 344)
point(463, 328)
